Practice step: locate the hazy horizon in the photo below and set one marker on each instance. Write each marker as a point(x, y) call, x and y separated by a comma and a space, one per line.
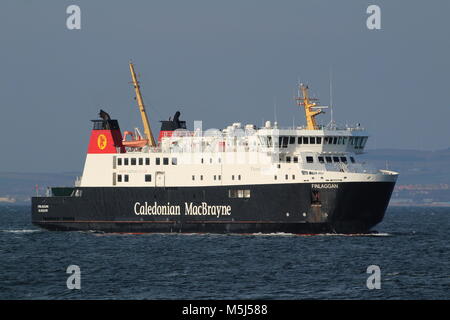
point(220, 62)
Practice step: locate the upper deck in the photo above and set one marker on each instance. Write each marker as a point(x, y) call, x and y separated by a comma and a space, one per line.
point(270, 139)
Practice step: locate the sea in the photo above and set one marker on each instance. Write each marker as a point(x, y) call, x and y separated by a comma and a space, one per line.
point(407, 258)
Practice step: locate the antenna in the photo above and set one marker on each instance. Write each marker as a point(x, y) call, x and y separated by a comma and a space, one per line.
point(331, 94)
point(331, 124)
point(275, 108)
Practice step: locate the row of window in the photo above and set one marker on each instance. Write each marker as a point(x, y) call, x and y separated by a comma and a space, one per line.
point(334, 159)
point(124, 178)
point(148, 177)
point(141, 161)
point(146, 161)
point(218, 177)
point(330, 159)
point(284, 141)
point(286, 177)
point(322, 159)
point(356, 142)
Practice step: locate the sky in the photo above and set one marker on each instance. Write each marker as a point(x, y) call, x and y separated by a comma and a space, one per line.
point(220, 62)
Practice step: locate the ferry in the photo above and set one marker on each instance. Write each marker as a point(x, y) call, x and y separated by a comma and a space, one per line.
point(241, 179)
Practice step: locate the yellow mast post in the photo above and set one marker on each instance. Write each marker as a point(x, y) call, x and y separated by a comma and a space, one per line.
point(145, 122)
point(305, 101)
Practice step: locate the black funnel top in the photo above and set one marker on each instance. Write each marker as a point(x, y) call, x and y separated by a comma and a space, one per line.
point(171, 125)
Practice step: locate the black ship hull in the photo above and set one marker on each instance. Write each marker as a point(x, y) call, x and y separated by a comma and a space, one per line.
point(351, 207)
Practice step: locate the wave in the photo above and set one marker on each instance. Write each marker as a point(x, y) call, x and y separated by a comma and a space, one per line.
point(274, 234)
point(384, 234)
point(21, 230)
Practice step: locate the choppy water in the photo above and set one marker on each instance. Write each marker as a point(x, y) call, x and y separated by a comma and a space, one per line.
point(412, 250)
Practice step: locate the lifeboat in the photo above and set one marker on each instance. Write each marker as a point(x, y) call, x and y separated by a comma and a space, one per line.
point(135, 142)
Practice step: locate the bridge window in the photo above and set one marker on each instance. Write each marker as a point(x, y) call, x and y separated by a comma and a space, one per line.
point(335, 159)
point(328, 159)
point(305, 140)
point(291, 140)
point(321, 159)
point(309, 159)
point(363, 142)
point(312, 140)
point(344, 159)
point(299, 140)
point(352, 159)
point(335, 140)
point(319, 140)
point(295, 159)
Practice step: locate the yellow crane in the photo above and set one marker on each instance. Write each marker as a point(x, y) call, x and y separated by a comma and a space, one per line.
point(140, 102)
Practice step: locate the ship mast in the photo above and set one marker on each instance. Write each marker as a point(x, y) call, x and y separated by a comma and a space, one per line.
point(145, 122)
point(310, 107)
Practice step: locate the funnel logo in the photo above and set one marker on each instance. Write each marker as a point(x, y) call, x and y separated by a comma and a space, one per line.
point(102, 141)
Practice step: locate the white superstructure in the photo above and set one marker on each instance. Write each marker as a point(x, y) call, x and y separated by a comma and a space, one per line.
point(238, 155)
